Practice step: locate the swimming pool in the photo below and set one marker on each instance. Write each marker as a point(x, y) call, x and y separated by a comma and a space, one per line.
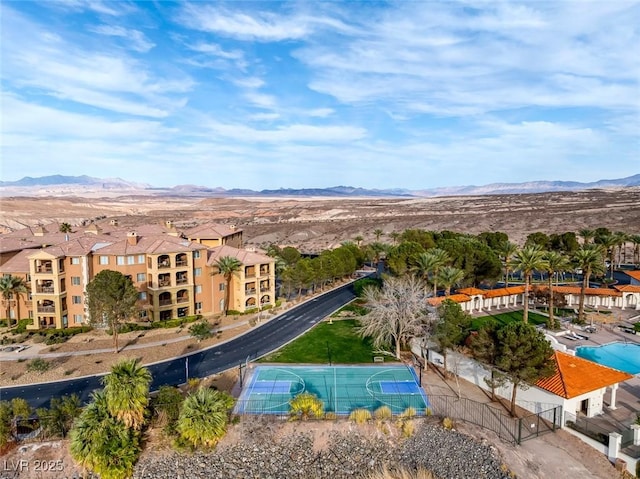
point(621, 356)
point(342, 389)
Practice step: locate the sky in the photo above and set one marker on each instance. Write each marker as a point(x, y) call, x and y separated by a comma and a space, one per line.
point(265, 94)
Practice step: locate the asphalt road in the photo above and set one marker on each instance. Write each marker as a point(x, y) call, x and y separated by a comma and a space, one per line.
point(258, 342)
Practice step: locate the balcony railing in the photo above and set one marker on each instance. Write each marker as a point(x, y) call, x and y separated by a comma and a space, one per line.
point(264, 288)
point(164, 264)
point(165, 302)
point(44, 269)
point(164, 283)
point(182, 280)
point(46, 309)
point(181, 262)
point(45, 289)
point(250, 291)
point(183, 299)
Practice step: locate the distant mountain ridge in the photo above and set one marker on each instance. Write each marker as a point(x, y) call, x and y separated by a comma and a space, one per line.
point(87, 182)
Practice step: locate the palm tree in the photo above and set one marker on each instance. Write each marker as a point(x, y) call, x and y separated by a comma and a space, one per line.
point(506, 252)
point(203, 417)
point(441, 258)
point(425, 265)
point(590, 259)
point(635, 239)
point(358, 239)
point(621, 239)
point(527, 260)
point(378, 233)
point(394, 235)
point(306, 405)
point(609, 243)
point(65, 228)
point(450, 276)
point(587, 235)
point(126, 390)
point(228, 266)
point(12, 287)
point(101, 443)
point(554, 263)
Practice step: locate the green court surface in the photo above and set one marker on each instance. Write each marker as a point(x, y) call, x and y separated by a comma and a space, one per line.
point(268, 389)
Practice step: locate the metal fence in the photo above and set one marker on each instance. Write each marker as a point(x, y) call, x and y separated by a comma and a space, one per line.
point(588, 428)
point(487, 416)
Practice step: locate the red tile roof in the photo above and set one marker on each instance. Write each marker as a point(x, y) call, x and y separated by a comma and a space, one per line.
point(628, 288)
point(458, 298)
point(471, 291)
point(589, 291)
point(634, 274)
point(510, 291)
point(576, 376)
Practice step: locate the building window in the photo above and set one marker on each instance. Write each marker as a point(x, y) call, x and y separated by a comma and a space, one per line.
point(104, 260)
point(75, 280)
point(198, 288)
point(77, 318)
point(196, 254)
point(198, 307)
point(197, 272)
point(140, 259)
point(221, 287)
point(120, 260)
point(75, 260)
point(76, 299)
point(142, 296)
point(143, 314)
point(131, 260)
point(140, 277)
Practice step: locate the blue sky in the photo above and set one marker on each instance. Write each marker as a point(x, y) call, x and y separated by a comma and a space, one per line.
point(407, 94)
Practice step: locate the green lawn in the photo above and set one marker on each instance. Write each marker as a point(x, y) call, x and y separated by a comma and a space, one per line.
point(505, 318)
point(339, 339)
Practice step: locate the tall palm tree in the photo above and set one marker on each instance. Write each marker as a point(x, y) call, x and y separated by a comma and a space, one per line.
point(394, 235)
point(358, 239)
point(554, 263)
point(12, 288)
point(621, 239)
point(587, 235)
point(440, 259)
point(425, 265)
point(590, 259)
point(378, 233)
point(203, 417)
point(506, 252)
point(65, 228)
point(228, 266)
point(450, 276)
point(527, 260)
point(609, 243)
point(635, 239)
point(126, 390)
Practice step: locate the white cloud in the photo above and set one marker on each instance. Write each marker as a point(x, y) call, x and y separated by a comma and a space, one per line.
point(136, 39)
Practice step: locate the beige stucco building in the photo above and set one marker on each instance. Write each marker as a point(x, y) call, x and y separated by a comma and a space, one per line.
point(173, 270)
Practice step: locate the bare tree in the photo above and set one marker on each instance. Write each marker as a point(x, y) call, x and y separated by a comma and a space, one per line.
point(397, 312)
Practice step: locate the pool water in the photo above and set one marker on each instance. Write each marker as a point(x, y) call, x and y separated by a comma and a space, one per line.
point(621, 356)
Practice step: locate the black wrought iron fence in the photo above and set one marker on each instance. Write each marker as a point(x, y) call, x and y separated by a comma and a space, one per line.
point(586, 427)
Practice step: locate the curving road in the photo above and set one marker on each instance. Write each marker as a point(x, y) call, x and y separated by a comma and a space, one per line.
point(256, 343)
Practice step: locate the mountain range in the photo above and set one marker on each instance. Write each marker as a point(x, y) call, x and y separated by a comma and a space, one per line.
point(55, 183)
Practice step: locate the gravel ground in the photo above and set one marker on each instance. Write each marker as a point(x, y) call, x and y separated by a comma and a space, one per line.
point(334, 454)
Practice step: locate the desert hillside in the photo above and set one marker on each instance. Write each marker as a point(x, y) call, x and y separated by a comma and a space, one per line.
point(318, 223)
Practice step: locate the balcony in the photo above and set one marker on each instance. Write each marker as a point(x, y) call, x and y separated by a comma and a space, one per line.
point(44, 269)
point(181, 262)
point(164, 265)
point(264, 289)
point(45, 289)
point(164, 283)
point(250, 291)
point(165, 302)
point(46, 309)
point(264, 271)
point(183, 299)
point(182, 280)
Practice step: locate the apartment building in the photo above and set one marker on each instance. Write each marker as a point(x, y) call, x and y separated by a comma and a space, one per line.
point(174, 270)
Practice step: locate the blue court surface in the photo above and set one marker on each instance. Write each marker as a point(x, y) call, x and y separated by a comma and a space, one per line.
point(268, 389)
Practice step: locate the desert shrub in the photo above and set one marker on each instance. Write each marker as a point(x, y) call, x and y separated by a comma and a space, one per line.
point(38, 338)
point(382, 413)
point(428, 411)
point(400, 473)
point(174, 323)
point(305, 406)
point(166, 406)
point(330, 416)
point(408, 428)
point(200, 330)
point(252, 322)
point(447, 423)
point(408, 413)
point(38, 365)
point(266, 307)
point(360, 416)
